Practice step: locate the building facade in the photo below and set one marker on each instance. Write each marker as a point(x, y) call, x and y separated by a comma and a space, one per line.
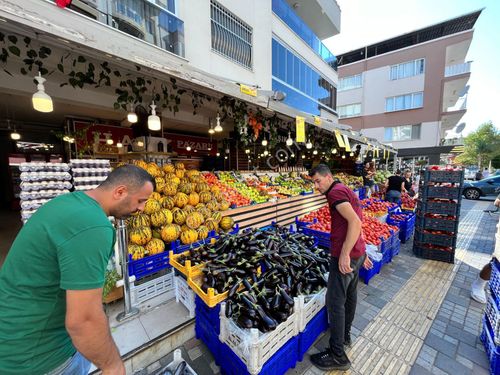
point(410, 90)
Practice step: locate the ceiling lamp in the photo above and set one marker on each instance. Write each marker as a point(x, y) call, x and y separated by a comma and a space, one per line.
point(334, 150)
point(140, 144)
point(292, 155)
point(154, 122)
point(343, 156)
point(289, 140)
point(69, 139)
point(247, 151)
point(41, 101)
point(119, 145)
point(218, 154)
point(315, 152)
point(225, 157)
point(264, 141)
point(109, 141)
point(188, 148)
point(15, 135)
point(131, 115)
point(303, 156)
point(266, 152)
point(309, 145)
point(351, 154)
point(218, 127)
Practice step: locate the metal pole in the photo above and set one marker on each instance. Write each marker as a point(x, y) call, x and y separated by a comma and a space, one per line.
point(122, 245)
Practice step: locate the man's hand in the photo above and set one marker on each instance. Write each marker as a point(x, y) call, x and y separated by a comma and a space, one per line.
point(368, 264)
point(345, 264)
point(497, 202)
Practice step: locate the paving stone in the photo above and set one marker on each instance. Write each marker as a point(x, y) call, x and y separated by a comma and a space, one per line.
point(440, 345)
point(450, 365)
point(473, 354)
point(478, 370)
point(419, 370)
point(464, 361)
point(461, 335)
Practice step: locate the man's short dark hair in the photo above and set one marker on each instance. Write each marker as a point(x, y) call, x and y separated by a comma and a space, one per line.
point(129, 175)
point(398, 172)
point(321, 169)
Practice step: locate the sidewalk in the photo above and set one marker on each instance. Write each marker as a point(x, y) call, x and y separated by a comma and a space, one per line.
point(415, 317)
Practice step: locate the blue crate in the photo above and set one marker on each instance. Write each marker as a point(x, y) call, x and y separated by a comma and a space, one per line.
point(495, 281)
point(210, 314)
point(396, 247)
point(314, 328)
point(386, 250)
point(309, 192)
point(207, 335)
point(283, 360)
point(366, 275)
point(148, 265)
point(492, 350)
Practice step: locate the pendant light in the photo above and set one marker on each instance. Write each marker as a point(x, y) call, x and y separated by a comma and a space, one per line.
point(41, 101)
point(154, 122)
point(351, 154)
point(218, 154)
point(343, 156)
point(309, 145)
point(109, 141)
point(15, 135)
point(119, 145)
point(334, 150)
point(131, 115)
point(289, 140)
point(266, 152)
point(315, 152)
point(247, 151)
point(188, 148)
point(140, 144)
point(210, 128)
point(264, 141)
point(218, 127)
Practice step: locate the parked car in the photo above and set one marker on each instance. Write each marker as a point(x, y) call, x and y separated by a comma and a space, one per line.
point(489, 186)
point(470, 173)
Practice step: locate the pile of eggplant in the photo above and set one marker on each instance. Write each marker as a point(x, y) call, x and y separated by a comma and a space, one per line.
point(289, 264)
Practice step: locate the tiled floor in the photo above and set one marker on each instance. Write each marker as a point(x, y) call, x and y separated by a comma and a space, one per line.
point(415, 317)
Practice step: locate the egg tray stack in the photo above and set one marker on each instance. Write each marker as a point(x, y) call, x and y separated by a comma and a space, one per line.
point(89, 173)
point(438, 212)
point(40, 182)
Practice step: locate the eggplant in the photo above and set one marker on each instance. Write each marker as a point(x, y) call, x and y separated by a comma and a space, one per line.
point(229, 309)
point(286, 297)
point(244, 321)
point(180, 368)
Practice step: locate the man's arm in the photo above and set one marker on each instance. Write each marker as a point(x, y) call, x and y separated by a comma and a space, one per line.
point(353, 232)
point(497, 201)
point(88, 328)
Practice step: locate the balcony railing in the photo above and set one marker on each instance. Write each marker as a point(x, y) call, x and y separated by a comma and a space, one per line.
point(457, 69)
point(287, 15)
point(151, 21)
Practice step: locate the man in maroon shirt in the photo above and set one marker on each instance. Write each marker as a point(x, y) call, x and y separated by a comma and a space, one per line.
point(347, 256)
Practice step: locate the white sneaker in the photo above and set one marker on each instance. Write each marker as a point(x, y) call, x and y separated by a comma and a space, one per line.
point(477, 291)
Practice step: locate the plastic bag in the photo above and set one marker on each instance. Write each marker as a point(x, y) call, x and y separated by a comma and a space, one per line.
point(373, 253)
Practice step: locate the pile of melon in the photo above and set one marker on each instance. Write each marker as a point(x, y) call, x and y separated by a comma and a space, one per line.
point(183, 207)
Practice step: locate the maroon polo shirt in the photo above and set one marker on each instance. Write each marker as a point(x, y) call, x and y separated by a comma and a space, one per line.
point(336, 194)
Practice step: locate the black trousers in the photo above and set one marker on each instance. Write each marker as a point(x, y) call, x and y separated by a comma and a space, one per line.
point(341, 299)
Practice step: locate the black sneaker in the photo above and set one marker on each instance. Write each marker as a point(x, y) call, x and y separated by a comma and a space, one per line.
point(327, 361)
point(347, 341)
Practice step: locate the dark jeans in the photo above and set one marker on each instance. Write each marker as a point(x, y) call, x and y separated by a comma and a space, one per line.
point(341, 298)
point(393, 196)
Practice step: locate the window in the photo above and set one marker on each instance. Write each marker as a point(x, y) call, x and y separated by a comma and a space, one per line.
point(349, 110)
point(402, 133)
point(407, 69)
point(311, 91)
point(351, 82)
point(231, 37)
point(402, 102)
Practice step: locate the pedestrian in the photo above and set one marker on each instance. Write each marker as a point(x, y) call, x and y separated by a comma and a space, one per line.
point(347, 256)
point(479, 175)
point(394, 186)
point(486, 173)
point(477, 290)
point(51, 314)
point(368, 181)
point(408, 186)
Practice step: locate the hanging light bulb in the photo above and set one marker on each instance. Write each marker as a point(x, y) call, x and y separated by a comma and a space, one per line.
point(225, 157)
point(334, 150)
point(41, 101)
point(343, 156)
point(289, 140)
point(292, 155)
point(109, 141)
point(303, 156)
point(247, 151)
point(15, 135)
point(119, 145)
point(315, 152)
point(131, 115)
point(351, 154)
point(210, 128)
point(264, 141)
point(266, 152)
point(188, 148)
point(209, 148)
point(140, 144)
point(309, 145)
point(218, 154)
point(218, 127)
point(154, 122)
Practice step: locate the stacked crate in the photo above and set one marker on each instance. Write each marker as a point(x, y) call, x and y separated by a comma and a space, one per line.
point(438, 211)
point(490, 334)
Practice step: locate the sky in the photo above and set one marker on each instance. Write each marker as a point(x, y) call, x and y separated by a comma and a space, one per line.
point(364, 22)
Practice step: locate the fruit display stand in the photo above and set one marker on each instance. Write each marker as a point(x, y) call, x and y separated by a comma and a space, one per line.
point(438, 212)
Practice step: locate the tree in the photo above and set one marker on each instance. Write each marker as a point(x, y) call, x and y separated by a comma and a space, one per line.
point(481, 146)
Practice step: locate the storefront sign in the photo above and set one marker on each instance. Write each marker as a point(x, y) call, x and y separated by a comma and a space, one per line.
point(252, 91)
point(94, 137)
point(339, 139)
point(346, 143)
point(317, 120)
point(202, 145)
point(300, 129)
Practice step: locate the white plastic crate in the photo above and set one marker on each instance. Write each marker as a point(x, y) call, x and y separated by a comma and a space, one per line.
point(153, 288)
point(308, 307)
point(184, 294)
point(494, 317)
point(253, 347)
point(172, 366)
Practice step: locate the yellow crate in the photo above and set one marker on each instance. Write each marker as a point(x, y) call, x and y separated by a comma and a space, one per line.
point(187, 269)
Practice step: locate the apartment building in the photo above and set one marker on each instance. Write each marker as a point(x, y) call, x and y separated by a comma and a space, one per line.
point(408, 91)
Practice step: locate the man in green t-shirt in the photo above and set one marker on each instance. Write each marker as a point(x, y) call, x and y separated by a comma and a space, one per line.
point(51, 315)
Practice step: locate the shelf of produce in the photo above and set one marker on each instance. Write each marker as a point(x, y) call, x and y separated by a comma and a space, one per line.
point(288, 209)
point(256, 215)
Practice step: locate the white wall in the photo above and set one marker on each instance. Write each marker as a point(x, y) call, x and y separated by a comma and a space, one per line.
point(197, 31)
point(378, 86)
point(429, 136)
point(351, 96)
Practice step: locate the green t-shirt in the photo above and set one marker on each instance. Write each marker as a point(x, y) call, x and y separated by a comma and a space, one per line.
point(65, 245)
